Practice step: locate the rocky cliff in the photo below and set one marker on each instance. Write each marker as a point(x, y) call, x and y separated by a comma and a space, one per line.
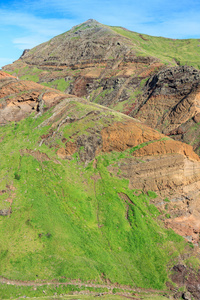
point(171, 104)
point(20, 98)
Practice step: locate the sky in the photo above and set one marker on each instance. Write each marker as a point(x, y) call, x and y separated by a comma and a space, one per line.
point(25, 24)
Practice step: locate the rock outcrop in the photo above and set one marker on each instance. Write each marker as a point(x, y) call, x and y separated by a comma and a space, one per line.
point(185, 276)
point(20, 98)
point(171, 104)
point(95, 61)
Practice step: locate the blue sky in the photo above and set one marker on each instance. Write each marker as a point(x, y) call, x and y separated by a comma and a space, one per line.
point(25, 23)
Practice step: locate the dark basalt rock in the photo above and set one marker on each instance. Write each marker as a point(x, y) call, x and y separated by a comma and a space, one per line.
point(187, 296)
point(24, 53)
point(184, 276)
point(173, 80)
point(91, 144)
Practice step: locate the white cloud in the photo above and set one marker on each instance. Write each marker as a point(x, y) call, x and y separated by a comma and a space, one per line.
point(37, 29)
point(33, 23)
point(21, 31)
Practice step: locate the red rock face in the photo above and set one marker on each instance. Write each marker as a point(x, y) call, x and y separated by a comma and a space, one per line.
point(170, 168)
point(187, 226)
point(107, 71)
point(119, 136)
point(104, 67)
point(20, 98)
point(4, 75)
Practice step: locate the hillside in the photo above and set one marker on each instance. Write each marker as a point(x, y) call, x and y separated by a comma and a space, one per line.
point(95, 42)
point(130, 72)
point(79, 188)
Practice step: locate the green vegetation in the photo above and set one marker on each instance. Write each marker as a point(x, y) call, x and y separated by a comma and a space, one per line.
point(59, 84)
point(79, 221)
point(8, 291)
point(102, 95)
point(82, 26)
point(138, 91)
point(34, 74)
point(193, 262)
point(67, 225)
point(105, 96)
point(145, 144)
point(119, 106)
point(31, 74)
point(166, 200)
point(14, 73)
point(170, 51)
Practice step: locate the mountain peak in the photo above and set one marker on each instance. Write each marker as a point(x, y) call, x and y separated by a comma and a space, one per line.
point(87, 41)
point(90, 23)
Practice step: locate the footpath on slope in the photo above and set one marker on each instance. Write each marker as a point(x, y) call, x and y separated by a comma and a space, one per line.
point(79, 284)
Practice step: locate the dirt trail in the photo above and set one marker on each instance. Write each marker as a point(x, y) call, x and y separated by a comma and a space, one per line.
point(79, 284)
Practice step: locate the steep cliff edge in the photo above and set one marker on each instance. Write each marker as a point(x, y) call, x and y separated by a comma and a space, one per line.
point(171, 104)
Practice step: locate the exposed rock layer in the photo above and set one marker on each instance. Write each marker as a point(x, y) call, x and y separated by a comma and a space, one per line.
point(171, 103)
point(19, 98)
point(167, 167)
point(149, 160)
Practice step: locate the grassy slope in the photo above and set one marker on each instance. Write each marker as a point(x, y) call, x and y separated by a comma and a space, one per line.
point(184, 52)
point(53, 229)
point(35, 74)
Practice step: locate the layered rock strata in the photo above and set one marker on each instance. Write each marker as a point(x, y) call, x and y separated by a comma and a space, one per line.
point(150, 160)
